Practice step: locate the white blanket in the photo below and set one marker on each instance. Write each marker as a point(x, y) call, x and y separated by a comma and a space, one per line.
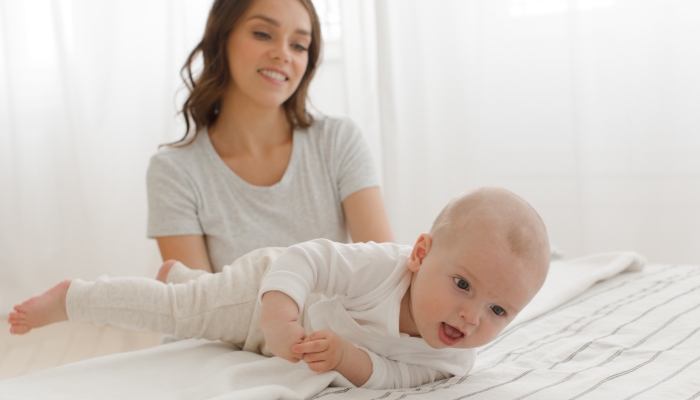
point(211, 370)
point(191, 369)
point(568, 279)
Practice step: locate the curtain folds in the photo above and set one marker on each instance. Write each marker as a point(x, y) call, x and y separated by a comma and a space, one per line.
point(586, 108)
point(84, 102)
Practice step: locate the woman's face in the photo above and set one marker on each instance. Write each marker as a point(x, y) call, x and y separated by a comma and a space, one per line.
point(268, 51)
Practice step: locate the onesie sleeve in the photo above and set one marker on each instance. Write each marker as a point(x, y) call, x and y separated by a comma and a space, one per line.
point(329, 268)
point(354, 166)
point(172, 199)
point(390, 374)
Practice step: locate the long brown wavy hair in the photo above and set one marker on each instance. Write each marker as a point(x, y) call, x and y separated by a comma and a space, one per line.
point(206, 90)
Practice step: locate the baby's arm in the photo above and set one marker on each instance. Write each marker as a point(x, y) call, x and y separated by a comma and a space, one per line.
point(279, 323)
point(392, 374)
point(325, 351)
point(322, 350)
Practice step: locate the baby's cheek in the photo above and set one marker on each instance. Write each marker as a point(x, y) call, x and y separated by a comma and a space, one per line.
point(490, 333)
point(483, 341)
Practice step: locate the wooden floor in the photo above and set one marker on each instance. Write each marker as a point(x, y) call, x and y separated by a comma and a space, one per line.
point(64, 343)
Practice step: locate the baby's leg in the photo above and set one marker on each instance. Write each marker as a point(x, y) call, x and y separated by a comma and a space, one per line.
point(219, 306)
point(175, 272)
point(50, 306)
point(183, 310)
point(164, 270)
point(45, 309)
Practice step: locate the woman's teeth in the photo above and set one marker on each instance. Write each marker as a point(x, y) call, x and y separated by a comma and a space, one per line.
point(273, 75)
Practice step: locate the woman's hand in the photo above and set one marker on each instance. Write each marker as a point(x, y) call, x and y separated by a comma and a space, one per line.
point(322, 350)
point(278, 322)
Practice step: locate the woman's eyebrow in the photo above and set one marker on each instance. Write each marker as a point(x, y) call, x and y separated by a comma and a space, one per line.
point(276, 23)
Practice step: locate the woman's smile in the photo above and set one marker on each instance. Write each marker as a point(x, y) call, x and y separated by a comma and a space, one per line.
point(274, 76)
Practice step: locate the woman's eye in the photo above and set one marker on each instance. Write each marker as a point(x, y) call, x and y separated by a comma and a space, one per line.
point(261, 35)
point(299, 47)
point(462, 284)
point(498, 310)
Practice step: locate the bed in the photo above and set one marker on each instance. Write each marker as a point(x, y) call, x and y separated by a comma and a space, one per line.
point(632, 335)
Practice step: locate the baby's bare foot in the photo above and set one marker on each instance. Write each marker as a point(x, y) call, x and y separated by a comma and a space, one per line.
point(165, 270)
point(47, 308)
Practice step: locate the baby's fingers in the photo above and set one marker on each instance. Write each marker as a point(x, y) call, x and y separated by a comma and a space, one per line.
point(314, 346)
point(315, 357)
point(319, 366)
point(291, 357)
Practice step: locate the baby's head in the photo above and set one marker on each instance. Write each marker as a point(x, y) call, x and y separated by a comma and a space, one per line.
point(485, 258)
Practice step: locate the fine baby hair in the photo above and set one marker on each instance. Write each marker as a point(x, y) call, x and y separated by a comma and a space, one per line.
point(513, 217)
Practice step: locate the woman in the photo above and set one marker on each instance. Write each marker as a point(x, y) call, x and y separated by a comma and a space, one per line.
point(256, 170)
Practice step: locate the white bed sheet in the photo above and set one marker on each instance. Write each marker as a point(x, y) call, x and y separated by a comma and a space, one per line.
point(635, 334)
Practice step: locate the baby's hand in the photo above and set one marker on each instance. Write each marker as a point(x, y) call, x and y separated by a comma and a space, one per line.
point(278, 322)
point(281, 339)
point(323, 350)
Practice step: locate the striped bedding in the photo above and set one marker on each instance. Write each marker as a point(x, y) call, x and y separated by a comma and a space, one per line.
point(635, 336)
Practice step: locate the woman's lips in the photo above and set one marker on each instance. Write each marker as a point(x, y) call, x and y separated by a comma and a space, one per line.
point(449, 335)
point(273, 77)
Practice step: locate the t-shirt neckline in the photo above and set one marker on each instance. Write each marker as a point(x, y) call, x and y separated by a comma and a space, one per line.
point(233, 176)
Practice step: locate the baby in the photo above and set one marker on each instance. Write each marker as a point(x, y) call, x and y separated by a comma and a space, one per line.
point(383, 315)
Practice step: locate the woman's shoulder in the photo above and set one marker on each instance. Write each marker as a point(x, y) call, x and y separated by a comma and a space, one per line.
point(187, 152)
point(332, 124)
point(329, 130)
point(179, 157)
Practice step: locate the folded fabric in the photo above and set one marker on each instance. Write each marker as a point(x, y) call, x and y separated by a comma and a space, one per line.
point(568, 279)
point(190, 369)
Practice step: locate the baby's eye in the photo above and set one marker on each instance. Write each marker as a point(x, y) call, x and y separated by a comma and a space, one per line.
point(498, 310)
point(462, 284)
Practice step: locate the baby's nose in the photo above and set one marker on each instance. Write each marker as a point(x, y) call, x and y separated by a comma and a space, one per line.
point(470, 316)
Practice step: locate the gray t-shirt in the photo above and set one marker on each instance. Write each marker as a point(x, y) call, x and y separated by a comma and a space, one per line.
point(191, 191)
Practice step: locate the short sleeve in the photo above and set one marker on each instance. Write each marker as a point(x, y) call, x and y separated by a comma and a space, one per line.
point(353, 160)
point(172, 200)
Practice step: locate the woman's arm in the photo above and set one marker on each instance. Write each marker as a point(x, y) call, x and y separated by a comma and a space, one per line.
point(188, 249)
point(366, 216)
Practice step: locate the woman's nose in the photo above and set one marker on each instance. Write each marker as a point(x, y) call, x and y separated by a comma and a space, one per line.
point(281, 51)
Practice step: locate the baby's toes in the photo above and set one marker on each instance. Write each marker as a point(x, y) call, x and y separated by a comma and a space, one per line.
point(16, 317)
point(20, 308)
point(19, 329)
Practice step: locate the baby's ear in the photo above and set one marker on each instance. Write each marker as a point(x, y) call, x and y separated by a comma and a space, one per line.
point(420, 251)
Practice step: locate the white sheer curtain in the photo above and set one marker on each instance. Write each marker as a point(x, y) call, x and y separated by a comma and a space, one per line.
point(86, 96)
point(589, 109)
point(87, 93)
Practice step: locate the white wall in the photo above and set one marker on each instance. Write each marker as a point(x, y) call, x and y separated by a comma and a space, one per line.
point(586, 108)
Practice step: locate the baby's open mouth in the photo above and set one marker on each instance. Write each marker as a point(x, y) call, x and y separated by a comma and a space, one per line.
point(449, 335)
